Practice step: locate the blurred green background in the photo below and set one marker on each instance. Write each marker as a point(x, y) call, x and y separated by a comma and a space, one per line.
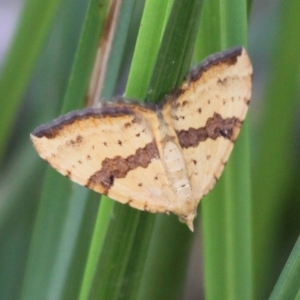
point(32, 88)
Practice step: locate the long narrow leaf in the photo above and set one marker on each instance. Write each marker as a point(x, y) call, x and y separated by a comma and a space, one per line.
point(274, 165)
point(33, 27)
point(288, 284)
point(124, 250)
point(58, 203)
point(105, 210)
point(227, 211)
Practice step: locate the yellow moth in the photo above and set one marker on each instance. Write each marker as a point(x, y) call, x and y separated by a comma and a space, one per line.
point(158, 158)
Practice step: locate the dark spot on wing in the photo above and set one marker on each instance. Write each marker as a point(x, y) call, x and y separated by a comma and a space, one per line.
point(184, 103)
point(222, 82)
point(76, 141)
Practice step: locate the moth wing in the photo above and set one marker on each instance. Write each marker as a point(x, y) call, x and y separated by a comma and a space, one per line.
point(111, 150)
point(207, 113)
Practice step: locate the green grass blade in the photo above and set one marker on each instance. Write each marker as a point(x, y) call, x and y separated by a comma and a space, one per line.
point(143, 255)
point(34, 25)
point(62, 256)
point(105, 209)
point(19, 197)
point(118, 267)
point(85, 56)
point(176, 49)
point(168, 255)
point(53, 226)
point(288, 284)
point(69, 286)
point(101, 279)
point(121, 260)
point(275, 162)
point(106, 205)
point(118, 48)
point(170, 247)
point(227, 211)
point(18, 210)
point(149, 38)
point(50, 221)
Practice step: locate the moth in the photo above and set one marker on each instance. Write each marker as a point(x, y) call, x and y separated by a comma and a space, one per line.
point(159, 158)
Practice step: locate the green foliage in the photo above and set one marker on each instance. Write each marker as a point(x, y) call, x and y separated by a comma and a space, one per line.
point(35, 22)
point(227, 209)
point(57, 242)
point(288, 285)
point(275, 171)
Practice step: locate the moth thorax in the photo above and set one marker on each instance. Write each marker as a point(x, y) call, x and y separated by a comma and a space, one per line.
point(176, 172)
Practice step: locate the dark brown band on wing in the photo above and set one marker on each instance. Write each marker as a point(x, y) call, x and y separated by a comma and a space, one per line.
point(214, 128)
point(118, 167)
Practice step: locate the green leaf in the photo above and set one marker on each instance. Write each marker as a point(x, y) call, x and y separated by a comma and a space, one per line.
point(276, 168)
point(147, 46)
point(62, 207)
point(86, 53)
point(288, 284)
point(47, 256)
point(34, 25)
point(226, 211)
point(105, 211)
point(121, 257)
point(176, 49)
